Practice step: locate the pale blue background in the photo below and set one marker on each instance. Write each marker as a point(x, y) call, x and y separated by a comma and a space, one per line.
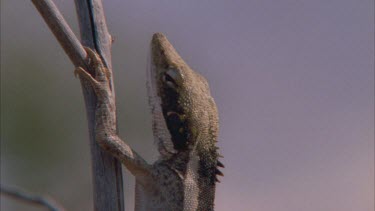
point(293, 80)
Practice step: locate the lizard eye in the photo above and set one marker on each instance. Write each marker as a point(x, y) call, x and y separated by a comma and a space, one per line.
point(169, 78)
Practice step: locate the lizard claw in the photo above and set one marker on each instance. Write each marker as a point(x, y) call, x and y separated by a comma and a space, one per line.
point(93, 56)
point(82, 73)
point(76, 72)
point(99, 78)
point(100, 71)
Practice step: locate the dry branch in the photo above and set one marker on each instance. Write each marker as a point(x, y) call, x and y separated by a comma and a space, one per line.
point(107, 172)
point(62, 31)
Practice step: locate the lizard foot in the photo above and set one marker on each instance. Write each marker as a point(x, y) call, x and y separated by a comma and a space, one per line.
point(82, 73)
point(101, 72)
point(100, 78)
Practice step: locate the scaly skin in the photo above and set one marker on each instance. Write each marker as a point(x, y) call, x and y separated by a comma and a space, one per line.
point(185, 125)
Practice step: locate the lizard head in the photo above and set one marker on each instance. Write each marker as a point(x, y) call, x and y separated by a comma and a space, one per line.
point(185, 117)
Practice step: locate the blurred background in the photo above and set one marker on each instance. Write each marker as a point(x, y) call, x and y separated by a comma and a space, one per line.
point(293, 80)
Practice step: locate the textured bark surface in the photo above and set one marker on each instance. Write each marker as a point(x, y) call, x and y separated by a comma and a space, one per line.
point(107, 173)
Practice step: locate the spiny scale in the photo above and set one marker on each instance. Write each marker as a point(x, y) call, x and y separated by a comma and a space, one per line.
point(220, 164)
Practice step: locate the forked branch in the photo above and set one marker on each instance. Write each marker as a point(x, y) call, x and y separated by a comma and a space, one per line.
point(107, 173)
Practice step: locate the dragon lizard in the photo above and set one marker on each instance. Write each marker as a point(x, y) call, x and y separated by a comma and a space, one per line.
point(185, 126)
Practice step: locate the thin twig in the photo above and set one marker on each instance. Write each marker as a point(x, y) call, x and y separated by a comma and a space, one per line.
point(63, 33)
point(31, 198)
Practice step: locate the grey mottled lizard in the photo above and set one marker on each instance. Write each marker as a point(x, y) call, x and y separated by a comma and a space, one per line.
point(185, 126)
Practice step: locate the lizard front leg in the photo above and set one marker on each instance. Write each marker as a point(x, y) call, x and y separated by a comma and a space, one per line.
point(105, 117)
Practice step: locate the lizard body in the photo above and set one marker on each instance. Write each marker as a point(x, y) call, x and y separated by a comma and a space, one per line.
point(185, 126)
